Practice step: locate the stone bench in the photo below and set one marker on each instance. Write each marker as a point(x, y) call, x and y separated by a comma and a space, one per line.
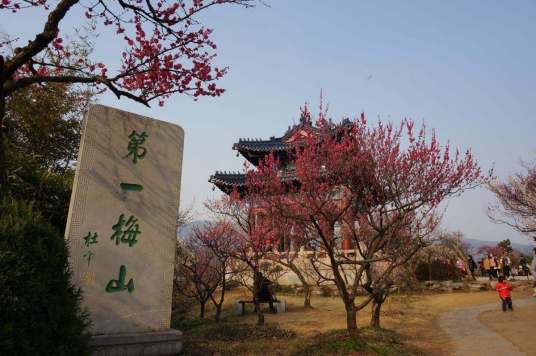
point(240, 306)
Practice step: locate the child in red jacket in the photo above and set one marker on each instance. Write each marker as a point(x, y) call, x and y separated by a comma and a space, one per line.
point(504, 289)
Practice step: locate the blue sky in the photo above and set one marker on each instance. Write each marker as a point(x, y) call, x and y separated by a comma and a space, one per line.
point(467, 68)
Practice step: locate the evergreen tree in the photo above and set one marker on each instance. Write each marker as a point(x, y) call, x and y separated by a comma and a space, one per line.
point(41, 313)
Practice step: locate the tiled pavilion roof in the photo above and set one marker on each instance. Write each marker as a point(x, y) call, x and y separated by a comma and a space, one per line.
point(228, 181)
point(258, 145)
point(255, 149)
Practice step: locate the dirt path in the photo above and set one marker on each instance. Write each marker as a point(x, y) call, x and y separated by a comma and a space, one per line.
point(517, 327)
point(470, 337)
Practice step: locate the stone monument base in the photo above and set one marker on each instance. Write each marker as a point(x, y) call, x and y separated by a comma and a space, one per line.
point(152, 343)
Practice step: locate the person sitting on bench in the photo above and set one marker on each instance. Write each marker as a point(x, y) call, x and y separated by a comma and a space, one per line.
point(264, 295)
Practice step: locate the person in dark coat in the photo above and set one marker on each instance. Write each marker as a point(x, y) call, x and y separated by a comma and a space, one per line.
point(472, 264)
point(524, 267)
point(264, 295)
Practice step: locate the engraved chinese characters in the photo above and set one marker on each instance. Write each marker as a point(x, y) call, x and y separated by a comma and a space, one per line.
point(118, 285)
point(89, 240)
point(126, 231)
point(135, 148)
point(122, 219)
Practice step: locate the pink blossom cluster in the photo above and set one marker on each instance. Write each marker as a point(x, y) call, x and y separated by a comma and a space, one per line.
point(354, 170)
point(166, 50)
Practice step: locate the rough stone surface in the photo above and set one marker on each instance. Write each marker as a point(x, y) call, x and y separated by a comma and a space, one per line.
point(280, 306)
point(237, 309)
point(155, 343)
point(447, 284)
point(97, 202)
point(435, 286)
point(458, 285)
point(471, 337)
point(475, 287)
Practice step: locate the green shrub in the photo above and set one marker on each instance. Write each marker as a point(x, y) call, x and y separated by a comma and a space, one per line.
point(40, 310)
point(437, 271)
point(49, 192)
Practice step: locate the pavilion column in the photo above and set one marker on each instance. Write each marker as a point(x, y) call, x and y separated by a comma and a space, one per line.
point(347, 241)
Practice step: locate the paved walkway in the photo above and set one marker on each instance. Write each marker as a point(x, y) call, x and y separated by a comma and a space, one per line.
point(470, 337)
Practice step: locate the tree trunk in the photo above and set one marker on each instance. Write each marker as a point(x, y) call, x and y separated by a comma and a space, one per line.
point(218, 312)
point(467, 269)
point(202, 309)
point(3, 163)
point(351, 316)
point(472, 274)
point(219, 304)
point(308, 291)
point(256, 289)
point(376, 312)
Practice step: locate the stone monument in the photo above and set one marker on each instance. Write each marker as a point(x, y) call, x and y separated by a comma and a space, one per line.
point(121, 230)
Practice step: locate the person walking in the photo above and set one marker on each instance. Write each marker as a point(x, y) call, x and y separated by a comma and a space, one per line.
point(472, 265)
point(496, 267)
point(504, 288)
point(524, 268)
point(460, 266)
point(487, 266)
point(493, 265)
point(506, 262)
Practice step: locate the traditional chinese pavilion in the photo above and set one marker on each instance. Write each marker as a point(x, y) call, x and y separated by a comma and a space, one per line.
point(254, 150)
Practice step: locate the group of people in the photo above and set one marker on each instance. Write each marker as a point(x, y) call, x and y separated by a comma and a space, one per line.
point(523, 269)
point(504, 288)
point(461, 266)
point(500, 268)
point(495, 266)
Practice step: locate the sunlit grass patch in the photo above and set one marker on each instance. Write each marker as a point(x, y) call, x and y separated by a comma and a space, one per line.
point(231, 338)
point(365, 341)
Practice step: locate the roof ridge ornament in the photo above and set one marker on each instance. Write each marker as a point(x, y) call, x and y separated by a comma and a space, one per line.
point(305, 115)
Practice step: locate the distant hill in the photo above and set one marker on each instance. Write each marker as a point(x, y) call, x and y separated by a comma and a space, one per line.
point(525, 249)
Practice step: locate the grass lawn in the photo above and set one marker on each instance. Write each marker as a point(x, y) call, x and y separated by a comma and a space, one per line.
point(409, 325)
